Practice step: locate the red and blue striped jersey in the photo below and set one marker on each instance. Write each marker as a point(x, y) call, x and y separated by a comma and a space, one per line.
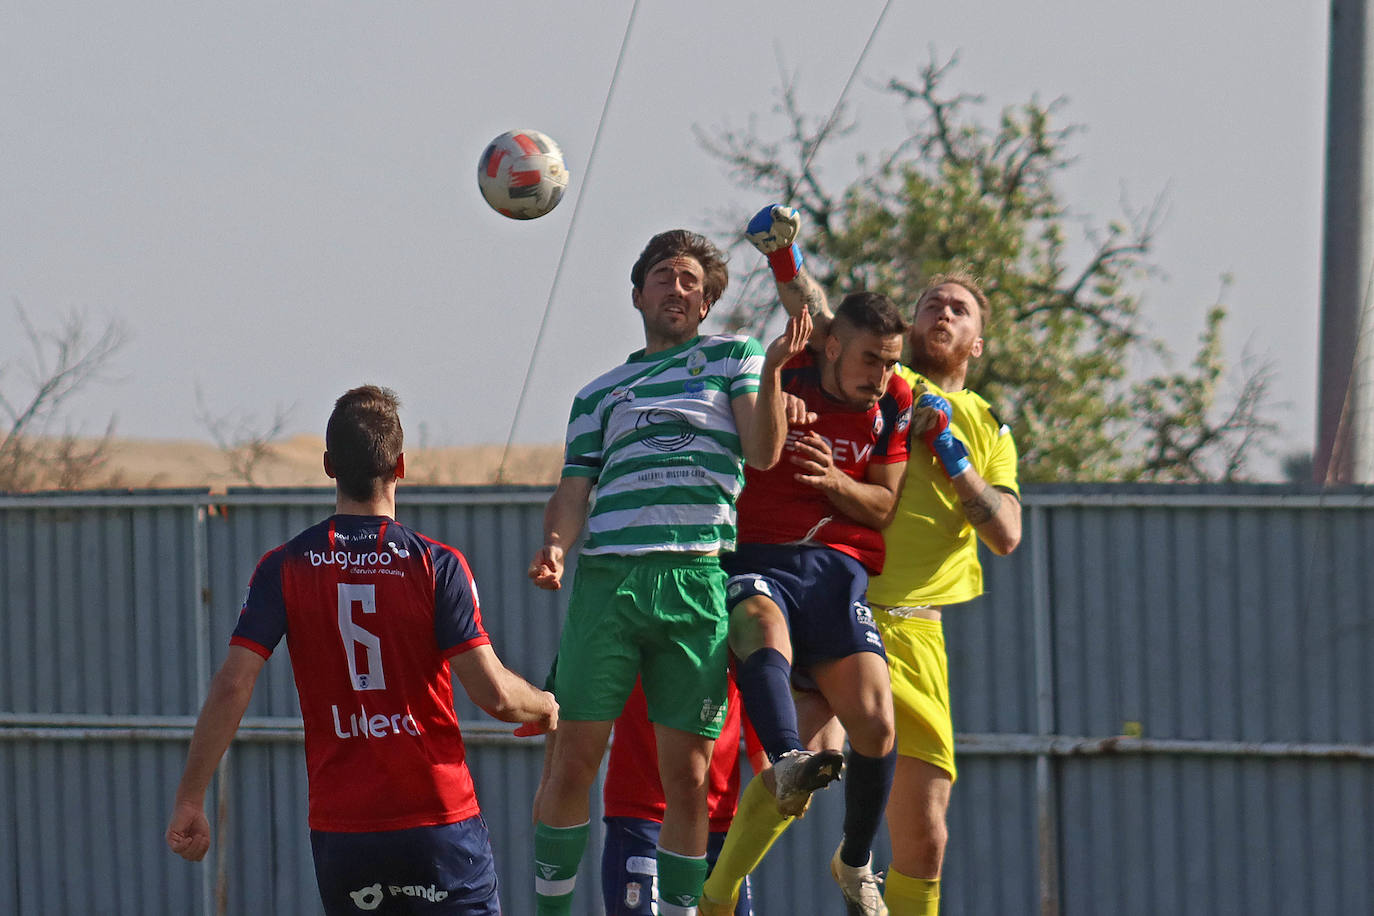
point(777, 509)
point(371, 612)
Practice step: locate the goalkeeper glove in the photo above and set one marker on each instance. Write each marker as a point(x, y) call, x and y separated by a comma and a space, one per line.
point(773, 231)
point(943, 444)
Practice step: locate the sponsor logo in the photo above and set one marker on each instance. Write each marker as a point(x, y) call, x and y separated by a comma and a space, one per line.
point(669, 430)
point(696, 363)
point(347, 559)
point(844, 452)
point(430, 893)
point(862, 613)
point(694, 385)
point(903, 421)
point(377, 725)
point(711, 712)
point(369, 898)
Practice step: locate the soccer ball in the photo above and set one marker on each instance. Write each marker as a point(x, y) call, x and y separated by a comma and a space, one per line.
point(521, 174)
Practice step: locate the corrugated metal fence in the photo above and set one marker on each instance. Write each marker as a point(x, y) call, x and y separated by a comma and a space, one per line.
point(1165, 704)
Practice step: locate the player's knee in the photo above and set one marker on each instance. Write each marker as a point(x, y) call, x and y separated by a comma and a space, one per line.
point(874, 735)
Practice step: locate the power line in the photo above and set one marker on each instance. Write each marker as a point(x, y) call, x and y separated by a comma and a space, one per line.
point(567, 239)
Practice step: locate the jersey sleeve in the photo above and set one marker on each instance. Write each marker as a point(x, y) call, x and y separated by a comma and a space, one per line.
point(262, 620)
point(894, 442)
point(457, 609)
point(1000, 470)
point(584, 443)
point(743, 366)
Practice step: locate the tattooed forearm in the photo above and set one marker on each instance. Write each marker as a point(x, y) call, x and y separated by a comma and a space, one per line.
point(983, 507)
point(804, 289)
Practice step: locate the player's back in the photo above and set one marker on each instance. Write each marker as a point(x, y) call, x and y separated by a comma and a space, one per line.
point(371, 611)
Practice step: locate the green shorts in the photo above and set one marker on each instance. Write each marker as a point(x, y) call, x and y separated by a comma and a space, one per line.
point(661, 618)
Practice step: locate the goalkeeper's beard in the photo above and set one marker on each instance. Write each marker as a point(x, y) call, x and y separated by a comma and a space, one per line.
point(944, 359)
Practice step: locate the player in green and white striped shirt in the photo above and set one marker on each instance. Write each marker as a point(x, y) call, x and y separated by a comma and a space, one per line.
point(654, 462)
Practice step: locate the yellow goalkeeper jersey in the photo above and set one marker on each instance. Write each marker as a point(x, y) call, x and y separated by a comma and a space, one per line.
point(932, 550)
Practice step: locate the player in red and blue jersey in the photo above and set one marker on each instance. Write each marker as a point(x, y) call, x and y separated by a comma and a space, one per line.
point(810, 535)
point(634, 803)
point(377, 618)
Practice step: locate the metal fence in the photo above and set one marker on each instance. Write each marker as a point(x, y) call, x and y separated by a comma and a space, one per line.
point(1165, 704)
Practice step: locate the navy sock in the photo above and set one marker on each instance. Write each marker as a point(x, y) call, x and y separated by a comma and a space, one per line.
point(867, 782)
point(765, 683)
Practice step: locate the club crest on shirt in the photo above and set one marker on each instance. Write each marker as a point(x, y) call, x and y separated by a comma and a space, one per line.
point(878, 423)
point(696, 363)
point(903, 421)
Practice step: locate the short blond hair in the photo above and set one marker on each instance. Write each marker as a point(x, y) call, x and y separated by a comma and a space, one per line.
point(964, 277)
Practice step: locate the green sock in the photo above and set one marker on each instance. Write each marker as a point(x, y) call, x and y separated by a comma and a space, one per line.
point(679, 881)
point(557, 853)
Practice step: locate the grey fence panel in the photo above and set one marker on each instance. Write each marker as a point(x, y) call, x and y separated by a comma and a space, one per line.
point(1230, 630)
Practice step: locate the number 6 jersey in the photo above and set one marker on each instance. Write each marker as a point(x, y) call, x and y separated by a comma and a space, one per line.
point(371, 612)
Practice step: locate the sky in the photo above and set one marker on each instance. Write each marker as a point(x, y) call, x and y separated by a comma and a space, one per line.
point(279, 200)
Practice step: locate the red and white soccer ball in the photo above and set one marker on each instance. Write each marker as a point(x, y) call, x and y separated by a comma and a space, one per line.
point(522, 174)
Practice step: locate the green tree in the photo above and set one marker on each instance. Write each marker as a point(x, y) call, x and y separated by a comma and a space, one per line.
point(1064, 328)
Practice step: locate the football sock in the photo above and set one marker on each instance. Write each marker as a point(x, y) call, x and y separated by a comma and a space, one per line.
point(908, 896)
point(679, 882)
point(765, 683)
point(867, 782)
point(557, 853)
point(756, 827)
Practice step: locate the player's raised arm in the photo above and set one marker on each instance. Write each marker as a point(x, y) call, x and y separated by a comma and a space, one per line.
point(994, 513)
point(761, 417)
point(773, 231)
point(564, 517)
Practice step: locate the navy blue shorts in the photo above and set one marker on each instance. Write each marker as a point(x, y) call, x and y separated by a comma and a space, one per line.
point(436, 870)
point(629, 866)
point(822, 594)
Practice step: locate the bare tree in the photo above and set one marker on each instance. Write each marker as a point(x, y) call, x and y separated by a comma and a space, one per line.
point(34, 391)
point(244, 438)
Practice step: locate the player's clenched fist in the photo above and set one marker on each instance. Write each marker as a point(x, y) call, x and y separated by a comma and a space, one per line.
point(188, 834)
point(940, 439)
point(773, 231)
point(546, 569)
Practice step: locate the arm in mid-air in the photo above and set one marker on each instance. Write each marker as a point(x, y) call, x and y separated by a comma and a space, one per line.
point(761, 417)
point(503, 694)
point(871, 501)
point(188, 833)
point(564, 517)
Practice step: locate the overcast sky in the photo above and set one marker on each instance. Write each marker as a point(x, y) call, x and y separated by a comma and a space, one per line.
point(279, 199)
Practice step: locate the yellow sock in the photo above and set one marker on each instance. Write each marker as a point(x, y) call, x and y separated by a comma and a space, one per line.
point(757, 825)
point(908, 896)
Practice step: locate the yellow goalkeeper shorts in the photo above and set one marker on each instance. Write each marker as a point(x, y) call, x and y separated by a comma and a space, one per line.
point(919, 668)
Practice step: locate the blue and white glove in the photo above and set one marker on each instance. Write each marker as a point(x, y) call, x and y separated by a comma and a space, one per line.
point(773, 231)
point(943, 444)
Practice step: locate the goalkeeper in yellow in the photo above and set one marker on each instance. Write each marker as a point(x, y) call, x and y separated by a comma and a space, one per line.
point(960, 489)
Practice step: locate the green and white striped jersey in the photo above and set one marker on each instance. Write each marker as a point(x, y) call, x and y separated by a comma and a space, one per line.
point(658, 436)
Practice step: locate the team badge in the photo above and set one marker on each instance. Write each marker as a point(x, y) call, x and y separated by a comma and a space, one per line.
point(903, 421)
point(877, 423)
point(632, 894)
point(696, 363)
point(619, 395)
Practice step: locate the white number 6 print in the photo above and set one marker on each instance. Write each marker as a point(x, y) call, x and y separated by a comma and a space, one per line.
point(354, 635)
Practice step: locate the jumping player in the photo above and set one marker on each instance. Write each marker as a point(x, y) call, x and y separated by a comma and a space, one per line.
point(810, 535)
point(660, 442)
point(961, 489)
point(376, 616)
